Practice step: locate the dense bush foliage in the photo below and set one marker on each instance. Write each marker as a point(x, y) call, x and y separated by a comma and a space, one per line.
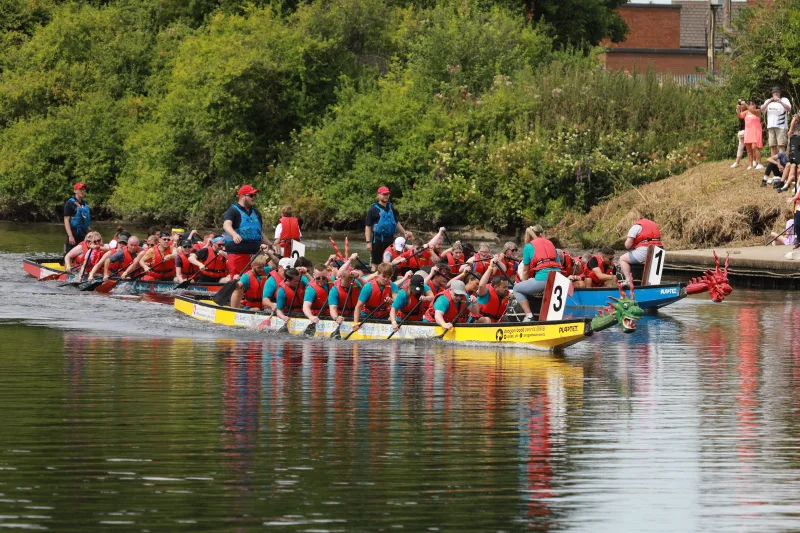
point(473, 112)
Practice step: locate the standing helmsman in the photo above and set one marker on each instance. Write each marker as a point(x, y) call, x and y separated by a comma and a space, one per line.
point(76, 217)
point(380, 226)
point(243, 228)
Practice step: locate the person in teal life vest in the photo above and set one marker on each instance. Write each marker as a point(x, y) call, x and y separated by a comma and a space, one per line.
point(380, 226)
point(76, 217)
point(243, 229)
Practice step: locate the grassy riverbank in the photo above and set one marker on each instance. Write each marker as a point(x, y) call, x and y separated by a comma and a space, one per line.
point(708, 205)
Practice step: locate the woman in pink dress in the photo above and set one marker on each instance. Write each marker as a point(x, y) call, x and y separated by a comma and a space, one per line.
point(753, 135)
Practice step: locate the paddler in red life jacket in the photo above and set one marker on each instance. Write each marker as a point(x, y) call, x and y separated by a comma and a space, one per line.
point(287, 230)
point(343, 296)
point(116, 261)
point(207, 238)
point(317, 293)
point(414, 295)
point(641, 235)
point(454, 257)
point(211, 262)
point(480, 261)
point(90, 248)
point(250, 287)
point(437, 278)
point(158, 262)
point(397, 255)
point(289, 297)
point(492, 297)
point(183, 267)
point(600, 269)
point(276, 276)
point(448, 306)
point(378, 292)
point(539, 258)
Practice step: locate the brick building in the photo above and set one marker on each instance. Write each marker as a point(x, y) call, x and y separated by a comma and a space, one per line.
point(669, 36)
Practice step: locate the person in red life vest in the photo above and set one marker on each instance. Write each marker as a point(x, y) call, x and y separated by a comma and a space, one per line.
point(211, 261)
point(539, 258)
point(492, 297)
point(454, 257)
point(600, 269)
point(287, 230)
point(243, 231)
point(379, 290)
point(250, 287)
point(449, 305)
point(158, 261)
point(414, 296)
point(290, 294)
point(508, 263)
point(207, 238)
point(115, 261)
point(317, 293)
point(276, 276)
point(177, 237)
point(480, 261)
point(437, 278)
point(641, 235)
point(396, 254)
point(184, 268)
point(90, 248)
point(343, 296)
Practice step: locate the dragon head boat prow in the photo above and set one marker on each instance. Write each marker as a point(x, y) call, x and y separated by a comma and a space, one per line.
point(715, 282)
point(623, 311)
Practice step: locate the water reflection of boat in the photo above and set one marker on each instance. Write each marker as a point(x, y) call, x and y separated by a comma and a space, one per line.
point(551, 335)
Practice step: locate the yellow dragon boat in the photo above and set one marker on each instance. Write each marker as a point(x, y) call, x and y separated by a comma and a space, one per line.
point(545, 336)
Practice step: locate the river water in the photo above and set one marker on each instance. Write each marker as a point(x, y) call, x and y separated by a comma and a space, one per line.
point(121, 415)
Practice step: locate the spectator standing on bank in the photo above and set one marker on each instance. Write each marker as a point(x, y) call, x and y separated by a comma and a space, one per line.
point(777, 110)
point(741, 107)
point(77, 217)
point(753, 135)
point(242, 226)
point(380, 226)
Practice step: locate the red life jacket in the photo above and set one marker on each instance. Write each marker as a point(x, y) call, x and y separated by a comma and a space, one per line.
point(495, 308)
point(650, 234)
point(215, 265)
point(94, 256)
point(127, 259)
point(419, 312)
point(187, 268)
point(291, 300)
point(320, 295)
point(567, 265)
point(544, 256)
point(452, 311)
point(346, 305)
point(511, 269)
point(252, 296)
point(604, 268)
point(290, 229)
point(454, 266)
point(160, 269)
point(424, 259)
point(379, 294)
point(395, 254)
point(198, 246)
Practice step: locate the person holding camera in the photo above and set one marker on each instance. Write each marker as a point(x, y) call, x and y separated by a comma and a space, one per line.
point(777, 110)
point(741, 108)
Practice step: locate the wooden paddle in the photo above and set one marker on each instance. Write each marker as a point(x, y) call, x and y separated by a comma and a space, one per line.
point(400, 325)
point(94, 283)
point(366, 319)
point(223, 296)
point(311, 329)
point(336, 334)
point(455, 320)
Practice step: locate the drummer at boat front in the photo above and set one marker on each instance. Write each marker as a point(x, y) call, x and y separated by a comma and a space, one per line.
point(641, 235)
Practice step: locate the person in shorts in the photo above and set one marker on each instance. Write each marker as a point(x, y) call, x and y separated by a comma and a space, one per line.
point(777, 110)
point(641, 235)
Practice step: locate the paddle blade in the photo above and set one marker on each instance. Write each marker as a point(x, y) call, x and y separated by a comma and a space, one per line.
point(336, 334)
point(183, 284)
point(311, 330)
point(90, 285)
point(223, 296)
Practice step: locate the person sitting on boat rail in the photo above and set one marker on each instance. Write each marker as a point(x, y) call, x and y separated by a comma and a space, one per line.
point(449, 305)
point(115, 261)
point(158, 261)
point(91, 247)
point(641, 235)
point(250, 287)
point(289, 297)
point(539, 258)
point(211, 261)
point(344, 295)
point(415, 296)
point(492, 297)
point(317, 293)
point(378, 292)
point(276, 276)
point(600, 269)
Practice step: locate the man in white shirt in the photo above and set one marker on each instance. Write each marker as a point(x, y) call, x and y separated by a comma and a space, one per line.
point(777, 110)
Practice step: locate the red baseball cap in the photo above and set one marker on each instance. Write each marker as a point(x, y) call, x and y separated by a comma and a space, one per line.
point(79, 185)
point(383, 190)
point(247, 189)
